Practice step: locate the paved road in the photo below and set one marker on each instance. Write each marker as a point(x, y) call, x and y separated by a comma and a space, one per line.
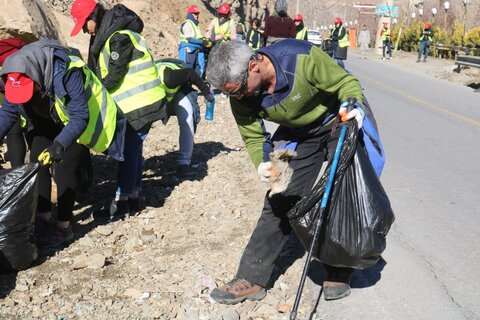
point(430, 129)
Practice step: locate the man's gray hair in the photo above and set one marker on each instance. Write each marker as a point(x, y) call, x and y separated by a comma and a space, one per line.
point(227, 62)
point(281, 6)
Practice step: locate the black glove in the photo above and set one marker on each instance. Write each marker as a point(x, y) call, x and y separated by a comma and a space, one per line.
point(210, 97)
point(52, 154)
point(206, 91)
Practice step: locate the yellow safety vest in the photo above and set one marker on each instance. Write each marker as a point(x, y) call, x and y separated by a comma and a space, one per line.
point(254, 46)
point(386, 35)
point(161, 68)
point(141, 85)
point(102, 110)
point(343, 42)
point(225, 29)
point(196, 30)
point(301, 34)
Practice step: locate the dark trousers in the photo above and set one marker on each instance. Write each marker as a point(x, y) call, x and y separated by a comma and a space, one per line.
point(273, 228)
point(387, 45)
point(64, 173)
point(16, 145)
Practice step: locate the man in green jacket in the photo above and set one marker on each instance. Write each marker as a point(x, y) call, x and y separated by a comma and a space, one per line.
point(299, 87)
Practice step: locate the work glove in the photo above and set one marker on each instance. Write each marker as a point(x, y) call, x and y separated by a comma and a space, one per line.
point(265, 170)
point(350, 109)
point(52, 154)
point(206, 43)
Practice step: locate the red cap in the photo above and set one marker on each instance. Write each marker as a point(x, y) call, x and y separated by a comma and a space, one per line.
point(193, 9)
point(18, 88)
point(338, 20)
point(81, 9)
point(224, 8)
point(298, 17)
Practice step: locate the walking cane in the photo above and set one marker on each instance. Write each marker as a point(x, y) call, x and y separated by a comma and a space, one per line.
point(323, 205)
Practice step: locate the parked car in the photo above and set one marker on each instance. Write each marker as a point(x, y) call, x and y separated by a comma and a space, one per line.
point(314, 37)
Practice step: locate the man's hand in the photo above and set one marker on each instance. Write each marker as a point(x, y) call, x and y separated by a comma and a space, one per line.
point(52, 154)
point(265, 171)
point(351, 109)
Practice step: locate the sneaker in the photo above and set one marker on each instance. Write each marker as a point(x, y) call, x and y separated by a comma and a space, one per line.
point(418, 60)
point(185, 171)
point(118, 209)
point(383, 58)
point(58, 236)
point(424, 60)
point(337, 283)
point(237, 291)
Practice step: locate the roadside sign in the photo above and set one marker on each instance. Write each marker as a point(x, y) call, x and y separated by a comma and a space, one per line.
point(384, 10)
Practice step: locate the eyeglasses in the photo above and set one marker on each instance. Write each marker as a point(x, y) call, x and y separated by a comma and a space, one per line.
point(243, 87)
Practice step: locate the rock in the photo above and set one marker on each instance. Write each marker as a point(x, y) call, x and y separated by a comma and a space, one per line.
point(230, 314)
point(96, 261)
point(133, 293)
point(283, 307)
point(80, 262)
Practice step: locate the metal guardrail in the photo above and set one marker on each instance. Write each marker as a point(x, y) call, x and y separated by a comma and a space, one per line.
point(466, 60)
point(456, 49)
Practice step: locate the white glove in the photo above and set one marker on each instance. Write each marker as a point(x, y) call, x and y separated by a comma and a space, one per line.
point(356, 113)
point(264, 171)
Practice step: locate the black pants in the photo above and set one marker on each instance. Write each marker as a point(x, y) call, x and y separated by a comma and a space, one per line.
point(64, 173)
point(16, 145)
point(273, 228)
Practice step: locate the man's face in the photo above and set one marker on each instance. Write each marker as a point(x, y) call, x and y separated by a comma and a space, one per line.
point(249, 86)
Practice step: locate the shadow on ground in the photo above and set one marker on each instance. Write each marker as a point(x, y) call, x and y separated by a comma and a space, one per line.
point(159, 180)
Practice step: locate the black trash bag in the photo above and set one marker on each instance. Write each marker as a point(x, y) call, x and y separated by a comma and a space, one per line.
point(357, 217)
point(18, 202)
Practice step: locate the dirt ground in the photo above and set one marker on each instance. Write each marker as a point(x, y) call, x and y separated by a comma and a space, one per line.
point(163, 263)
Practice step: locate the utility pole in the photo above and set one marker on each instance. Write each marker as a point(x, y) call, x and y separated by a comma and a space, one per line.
point(298, 7)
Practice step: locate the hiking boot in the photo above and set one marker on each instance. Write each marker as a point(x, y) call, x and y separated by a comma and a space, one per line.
point(58, 236)
point(43, 229)
point(136, 205)
point(337, 283)
point(185, 171)
point(237, 291)
point(117, 210)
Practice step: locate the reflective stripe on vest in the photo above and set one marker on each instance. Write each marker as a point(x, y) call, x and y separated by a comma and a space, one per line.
point(224, 29)
point(343, 42)
point(427, 35)
point(102, 110)
point(254, 46)
point(140, 86)
point(301, 34)
point(161, 68)
point(195, 28)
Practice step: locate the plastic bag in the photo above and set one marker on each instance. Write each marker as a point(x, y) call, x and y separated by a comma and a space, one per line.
point(18, 202)
point(357, 218)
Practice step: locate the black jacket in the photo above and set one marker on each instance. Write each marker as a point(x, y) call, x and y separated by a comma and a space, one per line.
point(118, 18)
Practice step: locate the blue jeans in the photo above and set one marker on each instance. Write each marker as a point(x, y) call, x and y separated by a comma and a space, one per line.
point(423, 47)
point(130, 170)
